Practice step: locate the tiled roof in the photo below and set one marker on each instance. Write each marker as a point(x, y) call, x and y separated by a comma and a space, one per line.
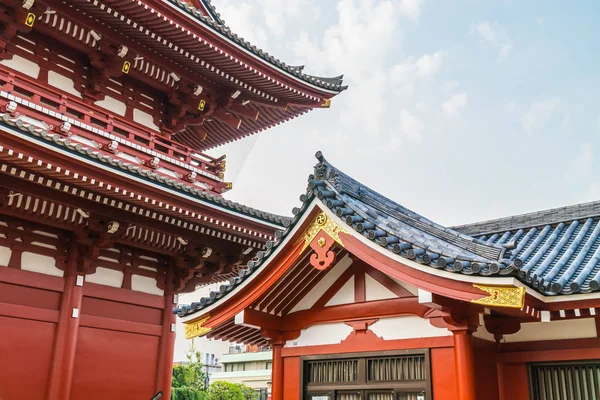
point(54, 139)
point(393, 227)
point(215, 22)
point(554, 251)
point(560, 247)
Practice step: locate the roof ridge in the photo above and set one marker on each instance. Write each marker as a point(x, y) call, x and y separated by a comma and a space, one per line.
point(351, 187)
point(549, 216)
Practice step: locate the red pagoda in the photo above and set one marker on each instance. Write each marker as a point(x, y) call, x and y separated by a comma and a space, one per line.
point(108, 207)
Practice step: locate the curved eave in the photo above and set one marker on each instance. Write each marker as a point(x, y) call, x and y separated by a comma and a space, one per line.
point(255, 267)
point(395, 265)
point(437, 281)
point(110, 164)
point(223, 33)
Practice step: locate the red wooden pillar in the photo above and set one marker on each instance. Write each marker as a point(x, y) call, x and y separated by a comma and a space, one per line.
point(65, 345)
point(164, 371)
point(277, 372)
point(465, 364)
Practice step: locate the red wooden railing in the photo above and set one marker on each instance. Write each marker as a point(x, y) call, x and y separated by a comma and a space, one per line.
point(57, 100)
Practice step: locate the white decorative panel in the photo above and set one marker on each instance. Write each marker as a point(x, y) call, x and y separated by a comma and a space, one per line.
point(107, 277)
point(555, 330)
point(145, 119)
point(321, 334)
point(409, 327)
point(145, 284)
point(22, 65)
point(482, 333)
point(40, 264)
point(5, 253)
point(343, 296)
point(320, 288)
point(63, 83)
point(113, 105)
point(412, 289)
point(376, 291)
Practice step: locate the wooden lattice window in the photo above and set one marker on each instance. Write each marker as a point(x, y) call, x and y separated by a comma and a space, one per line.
point(368, 376)
point(327, 371)
point(401, 368)
point(565, 381)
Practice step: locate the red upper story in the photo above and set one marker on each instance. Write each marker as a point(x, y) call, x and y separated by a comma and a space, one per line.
point(150, 83)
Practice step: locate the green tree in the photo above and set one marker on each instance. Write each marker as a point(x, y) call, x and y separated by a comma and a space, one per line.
point(221, 390)
point(248, 392)
point(188, 380)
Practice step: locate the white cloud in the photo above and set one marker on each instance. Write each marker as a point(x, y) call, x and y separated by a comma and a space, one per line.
point(492, 34)
point(539, 114)
point(410, 126)
point(405, 75)
point(260, 21)
point(429, 64)
point(359, 43)
point(454, 105)
point(510, 106)
point(410, 8)
point(450, 86)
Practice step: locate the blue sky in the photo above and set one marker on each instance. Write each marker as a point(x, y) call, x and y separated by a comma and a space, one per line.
point(460, 110)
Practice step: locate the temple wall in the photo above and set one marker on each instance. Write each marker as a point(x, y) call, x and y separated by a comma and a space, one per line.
point(112, 104)
point(22, 65)
point(443, 380)
point(323, 334)
point(554, 330)
point(40, 264)
point(118, 330)
point(408, 327)
point(5, 253)
point(63, 83)
point(125, 369)
point(26, 347)
point(145, 119)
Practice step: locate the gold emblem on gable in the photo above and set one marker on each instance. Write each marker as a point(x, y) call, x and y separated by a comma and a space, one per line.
point(512, 297)
point(195, 329)
point(322, 223)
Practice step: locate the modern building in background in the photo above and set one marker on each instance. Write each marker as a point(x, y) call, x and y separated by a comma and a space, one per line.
point(250, 366)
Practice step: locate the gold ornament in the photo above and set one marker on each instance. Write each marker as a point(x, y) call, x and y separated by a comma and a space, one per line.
point(512, 297)
point(322, 223)
point(195, 329)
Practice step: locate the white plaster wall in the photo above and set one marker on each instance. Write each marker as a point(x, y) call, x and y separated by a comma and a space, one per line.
point(321, 334)
point(62, 82)
point(145, 284)
point(22, 65)
point(113, 105)
point(482, 333)
point(376, 291)
point(40, 264)
point(554, 330)
point(320, 288)
point(107, 277)
point(408, 327)
point(145, 119)
point(412, 289)
point(343, 296)
point(5, 253)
